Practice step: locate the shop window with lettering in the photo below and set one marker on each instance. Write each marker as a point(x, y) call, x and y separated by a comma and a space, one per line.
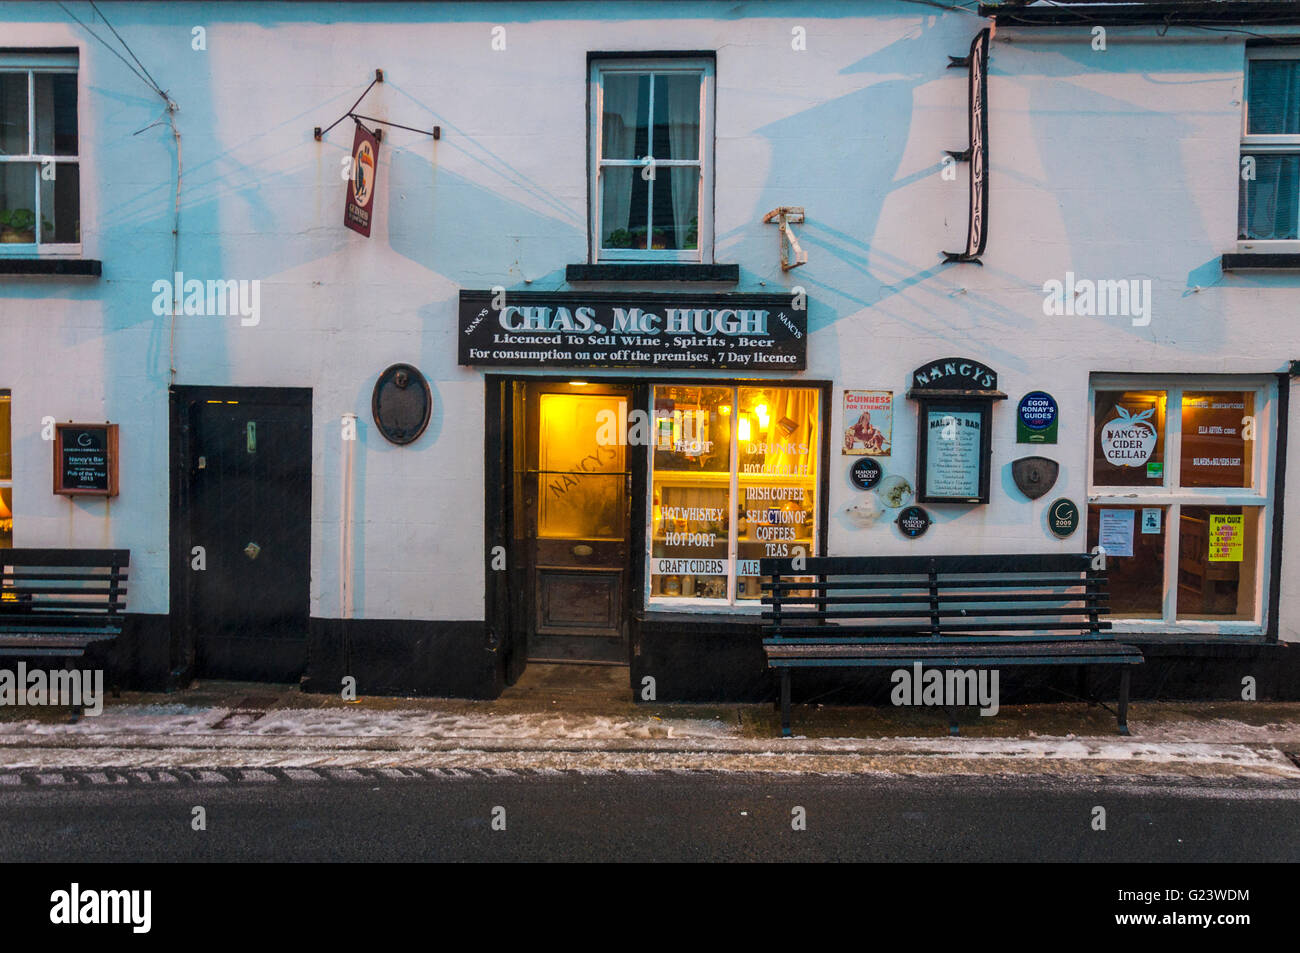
point(734, 478)
point(40, 163)
point(1181, 499)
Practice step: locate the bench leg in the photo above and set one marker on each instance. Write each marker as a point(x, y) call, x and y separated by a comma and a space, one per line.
point(785, 703)
point(1122, 714)
point(953, 729)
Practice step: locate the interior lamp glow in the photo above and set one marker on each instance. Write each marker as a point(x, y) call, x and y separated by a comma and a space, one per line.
point(761, 411)
point(744, 428)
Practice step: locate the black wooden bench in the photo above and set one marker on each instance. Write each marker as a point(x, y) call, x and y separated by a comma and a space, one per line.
point(56, 602)
point(975, 612)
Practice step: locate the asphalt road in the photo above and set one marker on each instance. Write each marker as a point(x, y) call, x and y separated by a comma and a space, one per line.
point(428, 816)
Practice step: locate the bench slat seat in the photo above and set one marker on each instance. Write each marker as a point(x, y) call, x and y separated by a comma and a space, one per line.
point(982, 612)
point(57, 602)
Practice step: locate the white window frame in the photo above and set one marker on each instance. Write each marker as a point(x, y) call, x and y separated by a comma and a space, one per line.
point(731, 603)
point(703, 251)
point(1256, 144)
point(32, 64)
point(1172, 498)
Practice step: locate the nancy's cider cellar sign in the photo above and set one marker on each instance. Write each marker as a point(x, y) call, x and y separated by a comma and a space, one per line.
point(750, 332)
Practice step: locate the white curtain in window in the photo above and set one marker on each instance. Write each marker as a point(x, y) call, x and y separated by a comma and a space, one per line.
point(620, 102)
point(1274, 107)
point(684, 143)
point(1269, 203)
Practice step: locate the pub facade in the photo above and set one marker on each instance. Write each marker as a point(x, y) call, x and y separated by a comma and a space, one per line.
point(421, 342)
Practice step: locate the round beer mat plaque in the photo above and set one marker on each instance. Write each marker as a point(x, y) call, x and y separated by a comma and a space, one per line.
point(913, 521)
point(865, 473)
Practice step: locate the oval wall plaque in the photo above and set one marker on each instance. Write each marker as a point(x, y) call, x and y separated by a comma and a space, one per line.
point(401, 404)
point(1063, 518)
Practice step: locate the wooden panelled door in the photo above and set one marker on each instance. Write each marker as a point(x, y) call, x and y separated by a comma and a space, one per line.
point(576, 488)
point(247, 503)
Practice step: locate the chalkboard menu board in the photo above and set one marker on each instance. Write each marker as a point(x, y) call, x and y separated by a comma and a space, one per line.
point(85, 459)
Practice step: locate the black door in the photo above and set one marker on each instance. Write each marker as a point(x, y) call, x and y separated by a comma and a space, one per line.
point(246, 466)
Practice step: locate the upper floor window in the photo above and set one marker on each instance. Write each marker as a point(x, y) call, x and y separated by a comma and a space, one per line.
point(1269, 203)
point(652, 160)
point(40, 182)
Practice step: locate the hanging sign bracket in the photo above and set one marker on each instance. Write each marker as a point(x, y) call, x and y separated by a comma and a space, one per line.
point(318, 133)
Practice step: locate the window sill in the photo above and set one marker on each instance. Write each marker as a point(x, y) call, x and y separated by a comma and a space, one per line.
point(653, 271)
point(69, 267)
point(1279, 261)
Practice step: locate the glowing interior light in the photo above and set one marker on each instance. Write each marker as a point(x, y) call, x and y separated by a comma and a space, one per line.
point(744, 427)
point(761, 411)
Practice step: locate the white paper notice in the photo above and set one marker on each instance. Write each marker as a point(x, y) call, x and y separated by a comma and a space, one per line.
point(1115, 532)
point(1151, 520)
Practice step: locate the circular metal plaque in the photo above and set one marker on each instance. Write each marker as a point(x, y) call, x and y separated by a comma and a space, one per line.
point(865, 473)
point(913, 521)
point(401, 404)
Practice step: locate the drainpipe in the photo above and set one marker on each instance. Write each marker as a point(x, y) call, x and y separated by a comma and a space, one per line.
point(345, 534)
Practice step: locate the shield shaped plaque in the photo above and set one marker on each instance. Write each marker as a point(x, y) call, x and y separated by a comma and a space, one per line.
point(1034, 475)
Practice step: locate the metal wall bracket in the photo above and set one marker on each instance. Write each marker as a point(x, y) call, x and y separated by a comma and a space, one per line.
point(318, 133)
point(792, 254)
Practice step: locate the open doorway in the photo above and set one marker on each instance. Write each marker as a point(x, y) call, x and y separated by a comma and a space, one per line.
point(572, 488)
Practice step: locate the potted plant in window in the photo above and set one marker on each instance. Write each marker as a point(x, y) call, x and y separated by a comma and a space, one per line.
point(619, 238)
point(18, 226)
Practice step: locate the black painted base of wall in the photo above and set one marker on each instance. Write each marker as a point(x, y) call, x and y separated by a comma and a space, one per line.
point(137, 660)
point(140, 659)
point(403, 657)
point(716, 659)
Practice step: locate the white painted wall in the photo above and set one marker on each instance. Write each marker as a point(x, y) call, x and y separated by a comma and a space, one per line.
point(1110, 165)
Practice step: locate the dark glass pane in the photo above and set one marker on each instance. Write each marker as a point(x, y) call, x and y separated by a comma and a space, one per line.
point(1129, 444)
point(56, 114)
point(676, 212)
point(18, 203)
point(625, 102)
point(1268, 199)
point(1217, 562)
point(1215, 450)
point(13, 114)
point(1134, 541)
point(61, 205)
point(677, 116)
point(1274, 106)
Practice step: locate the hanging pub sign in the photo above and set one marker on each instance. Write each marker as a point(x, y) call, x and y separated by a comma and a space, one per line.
point(954, 437)
point(85, 459)
point(749, 332)
point(1036, 418)
point(977, 153)
point(358, 211)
